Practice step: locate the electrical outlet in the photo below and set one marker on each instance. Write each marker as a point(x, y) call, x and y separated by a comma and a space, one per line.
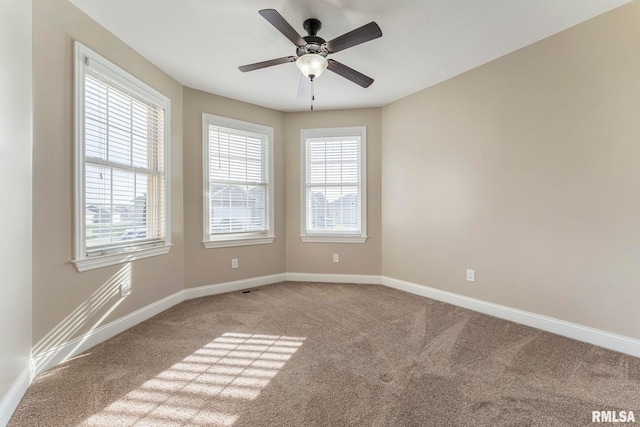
point(234, 263)
point(471, 275)
point(336, 257)
point(125, 289)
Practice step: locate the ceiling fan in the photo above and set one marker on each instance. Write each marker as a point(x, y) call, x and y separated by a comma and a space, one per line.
point(312, 51)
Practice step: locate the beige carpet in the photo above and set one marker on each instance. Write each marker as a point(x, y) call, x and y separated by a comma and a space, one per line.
point(302, 354)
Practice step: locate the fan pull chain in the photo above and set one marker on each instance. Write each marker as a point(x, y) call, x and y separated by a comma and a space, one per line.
point(313, 93)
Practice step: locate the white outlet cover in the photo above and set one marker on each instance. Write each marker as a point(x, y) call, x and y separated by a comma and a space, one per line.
point(234, 263)
point(125, 289)
point(471, 275)
point(336, 257)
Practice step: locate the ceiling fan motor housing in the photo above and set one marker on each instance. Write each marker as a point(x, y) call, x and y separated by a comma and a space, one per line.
point(314, 44)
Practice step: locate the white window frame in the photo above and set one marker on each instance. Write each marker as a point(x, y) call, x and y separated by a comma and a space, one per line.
point(239, 239)
point(360, 131)
point(83, 56)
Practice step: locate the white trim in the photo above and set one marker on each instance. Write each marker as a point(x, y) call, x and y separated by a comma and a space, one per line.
point(66, 351)
point(236, 285)
point(63, 352)
point(119, 257)
point(333, 239)
point(333, 132)
point(86, 57)
point(242, 241)
point(231, 240)
point(119, 76)
point(334, 278)
point(10, 401)
point(78, 152)
point(567, 329)
point(76, 346)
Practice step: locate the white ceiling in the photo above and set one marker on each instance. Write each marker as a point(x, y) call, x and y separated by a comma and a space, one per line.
point(201, 43)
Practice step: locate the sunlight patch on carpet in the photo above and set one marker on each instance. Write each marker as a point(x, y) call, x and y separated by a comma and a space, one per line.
point(206, 386)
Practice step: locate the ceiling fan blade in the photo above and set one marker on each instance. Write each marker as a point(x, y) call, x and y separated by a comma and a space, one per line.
point(358, 36)
point(283, 26)
point(264, 64)
point(349, 73)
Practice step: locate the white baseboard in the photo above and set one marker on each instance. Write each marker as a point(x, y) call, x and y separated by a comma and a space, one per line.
point(53, 357)
point(570, 330)
point(237, 285)
point(334, 278)
point(10, 401)
point(59, 354)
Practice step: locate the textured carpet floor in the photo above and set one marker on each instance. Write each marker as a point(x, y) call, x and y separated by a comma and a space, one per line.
point(302, 354)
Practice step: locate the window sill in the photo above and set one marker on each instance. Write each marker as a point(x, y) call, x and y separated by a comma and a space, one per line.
point(333, 239)
point(92, 263)
point(238, 241)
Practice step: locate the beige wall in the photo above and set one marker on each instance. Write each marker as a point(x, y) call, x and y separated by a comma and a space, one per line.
point(67, 303)
point(210, 266)
point(523, 169)
point(526, 170)
point(317, 257)
point(15, 188)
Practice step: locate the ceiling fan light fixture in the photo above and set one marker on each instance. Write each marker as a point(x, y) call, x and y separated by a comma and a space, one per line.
point(312, 65)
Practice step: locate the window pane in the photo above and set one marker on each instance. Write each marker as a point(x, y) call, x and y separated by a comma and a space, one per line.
point(116, 206)
point(333, 185)
point(333, 209)
point(317, 210)
point(238, 208)
point(124, 182)
point(238, 181)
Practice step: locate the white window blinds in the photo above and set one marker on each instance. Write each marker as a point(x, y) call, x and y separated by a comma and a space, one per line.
point(124, 166)
point(238, 181)
point(333, 185)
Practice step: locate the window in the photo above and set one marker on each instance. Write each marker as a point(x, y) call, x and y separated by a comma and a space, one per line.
point(121, 165)
point(334, 185)
point(238, 182)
